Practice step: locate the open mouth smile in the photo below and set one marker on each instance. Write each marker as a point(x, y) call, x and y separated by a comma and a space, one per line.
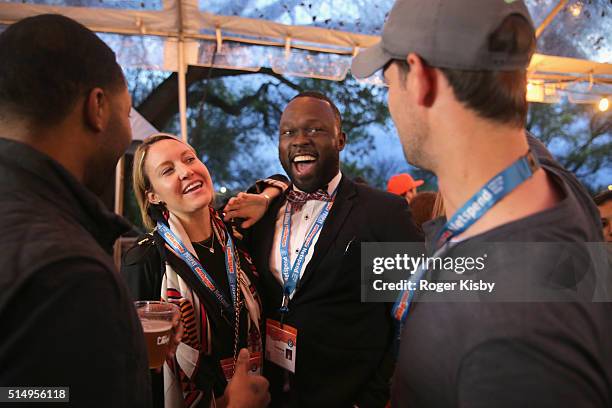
point(304, 164)
point(193, 187)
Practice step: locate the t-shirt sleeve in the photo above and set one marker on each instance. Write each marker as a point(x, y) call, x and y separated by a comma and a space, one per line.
point(512, 373)
point(70, 325)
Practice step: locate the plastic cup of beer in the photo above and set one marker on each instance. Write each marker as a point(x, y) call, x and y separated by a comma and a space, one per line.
point(156, 319)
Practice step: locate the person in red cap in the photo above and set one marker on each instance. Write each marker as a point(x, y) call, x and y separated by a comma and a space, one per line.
point(404, 185)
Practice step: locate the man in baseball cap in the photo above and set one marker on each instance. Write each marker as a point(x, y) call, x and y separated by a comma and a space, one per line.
point(403, 185)
point(456, 72)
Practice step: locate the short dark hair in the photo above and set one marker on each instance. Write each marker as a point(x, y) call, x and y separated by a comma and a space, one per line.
point(47, 62)
point(323, 97)
point(603, 197)
point(498, 95)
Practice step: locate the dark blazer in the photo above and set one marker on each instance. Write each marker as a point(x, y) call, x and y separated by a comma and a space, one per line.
point(344, 347)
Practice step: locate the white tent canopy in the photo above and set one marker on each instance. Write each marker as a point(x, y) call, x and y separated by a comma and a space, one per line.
point(141, 128)
point(173, 34)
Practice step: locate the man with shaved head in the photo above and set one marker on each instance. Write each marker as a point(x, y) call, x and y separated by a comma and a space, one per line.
point(343, 354)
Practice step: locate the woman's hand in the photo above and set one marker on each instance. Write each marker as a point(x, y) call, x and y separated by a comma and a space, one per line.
point(175, 339)
point(250, 207)
point(177, 335)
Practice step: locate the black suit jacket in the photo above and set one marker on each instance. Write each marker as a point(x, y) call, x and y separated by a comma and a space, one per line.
point(344, 347)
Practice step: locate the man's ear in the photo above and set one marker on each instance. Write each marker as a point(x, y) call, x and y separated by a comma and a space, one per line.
point(96, 109)
point(341, 141)
point(423, 81)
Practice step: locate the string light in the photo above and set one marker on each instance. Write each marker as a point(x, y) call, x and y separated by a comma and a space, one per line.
point(576, 9)
point(603, 105)
point(535, 91)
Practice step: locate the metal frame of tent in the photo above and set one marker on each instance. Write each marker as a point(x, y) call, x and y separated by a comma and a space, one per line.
point(183, 26)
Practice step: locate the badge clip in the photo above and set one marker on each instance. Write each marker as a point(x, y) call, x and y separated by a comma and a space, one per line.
point(284, 309)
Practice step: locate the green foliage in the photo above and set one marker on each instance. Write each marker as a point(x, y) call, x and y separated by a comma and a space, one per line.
point(578, 137)
point(226, 130)
point(231, 118)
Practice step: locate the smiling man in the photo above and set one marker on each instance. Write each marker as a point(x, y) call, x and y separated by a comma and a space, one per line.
point(307, 251)
point(310, 141)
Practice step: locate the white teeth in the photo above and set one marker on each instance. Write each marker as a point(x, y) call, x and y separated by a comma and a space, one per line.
point(192, 187)
point(303, 158)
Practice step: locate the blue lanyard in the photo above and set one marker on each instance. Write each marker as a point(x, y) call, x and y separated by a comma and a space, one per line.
point(291, 275)
point(230, 266)
point(490, 194)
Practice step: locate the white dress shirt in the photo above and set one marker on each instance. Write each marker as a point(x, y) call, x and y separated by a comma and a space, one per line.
point(301, 222)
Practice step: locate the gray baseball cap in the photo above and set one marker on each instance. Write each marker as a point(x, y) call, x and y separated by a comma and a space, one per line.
point(446, 33)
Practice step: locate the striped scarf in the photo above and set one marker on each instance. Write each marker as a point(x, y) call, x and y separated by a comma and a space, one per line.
point(179, 387)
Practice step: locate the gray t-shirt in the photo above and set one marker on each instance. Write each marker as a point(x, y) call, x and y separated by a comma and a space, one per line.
point(515, 354)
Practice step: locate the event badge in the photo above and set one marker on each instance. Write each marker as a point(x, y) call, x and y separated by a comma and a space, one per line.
point(281, 344)
point(227, 365)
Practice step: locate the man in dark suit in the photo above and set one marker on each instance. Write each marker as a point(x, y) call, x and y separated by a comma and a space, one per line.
point(343, 354)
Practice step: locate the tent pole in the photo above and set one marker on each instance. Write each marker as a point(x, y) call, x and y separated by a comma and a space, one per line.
point(119, 183)
point(550, 17)
point(181, 75)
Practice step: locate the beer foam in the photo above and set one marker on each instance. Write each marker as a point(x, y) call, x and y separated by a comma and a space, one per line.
point(155, 326)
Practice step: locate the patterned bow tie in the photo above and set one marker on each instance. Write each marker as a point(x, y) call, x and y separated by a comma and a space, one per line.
point(299, 198)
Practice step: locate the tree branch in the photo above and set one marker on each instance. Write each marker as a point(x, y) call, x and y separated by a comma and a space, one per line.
point(285, 81)
point(162, 104)
point(235, 109)
point(580, 153)
point(353, 125)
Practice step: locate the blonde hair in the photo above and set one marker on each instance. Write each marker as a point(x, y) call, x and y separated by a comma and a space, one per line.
point(140, 180)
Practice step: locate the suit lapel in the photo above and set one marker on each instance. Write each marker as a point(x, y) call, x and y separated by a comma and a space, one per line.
point(337, 215)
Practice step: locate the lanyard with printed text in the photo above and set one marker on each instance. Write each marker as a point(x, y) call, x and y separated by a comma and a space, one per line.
point(490, 194)
point(230, 266)
point(291, 275)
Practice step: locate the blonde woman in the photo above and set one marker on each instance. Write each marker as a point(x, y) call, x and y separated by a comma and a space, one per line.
point(191, 259)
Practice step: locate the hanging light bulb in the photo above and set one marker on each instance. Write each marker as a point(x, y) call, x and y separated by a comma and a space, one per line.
point(535, 91)
point(576, 9)
point(603, 105)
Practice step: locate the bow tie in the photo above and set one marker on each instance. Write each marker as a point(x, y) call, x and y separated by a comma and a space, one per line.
point(299, 198)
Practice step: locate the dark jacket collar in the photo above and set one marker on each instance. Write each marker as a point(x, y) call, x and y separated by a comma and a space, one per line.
point(49, 182)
